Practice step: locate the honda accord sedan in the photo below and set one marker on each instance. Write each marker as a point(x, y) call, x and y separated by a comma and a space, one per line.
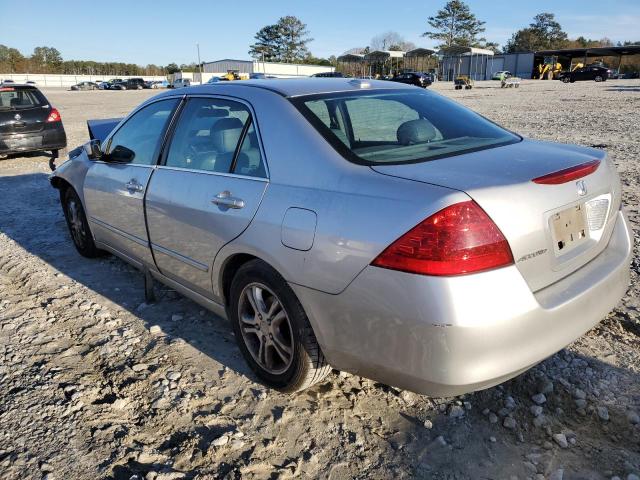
point(368, 226)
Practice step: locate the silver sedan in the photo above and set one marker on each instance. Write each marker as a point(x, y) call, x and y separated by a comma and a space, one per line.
point(367, 226)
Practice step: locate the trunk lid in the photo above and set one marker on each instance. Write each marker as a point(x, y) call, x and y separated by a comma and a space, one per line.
point(552, 229)
point(26, 120)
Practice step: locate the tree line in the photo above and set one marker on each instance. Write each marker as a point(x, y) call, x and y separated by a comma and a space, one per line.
point(49, 60)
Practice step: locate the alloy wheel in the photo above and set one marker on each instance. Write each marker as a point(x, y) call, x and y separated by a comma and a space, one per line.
point(266, 328)
point(75, 222)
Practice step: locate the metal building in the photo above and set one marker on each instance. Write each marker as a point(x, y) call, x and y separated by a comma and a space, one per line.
point(519, 64)
point(283, 70)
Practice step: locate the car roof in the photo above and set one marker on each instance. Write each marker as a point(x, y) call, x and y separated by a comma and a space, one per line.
point(19, 85)
point(294, 87)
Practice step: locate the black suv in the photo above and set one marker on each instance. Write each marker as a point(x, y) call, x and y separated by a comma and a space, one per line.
point(591, 72)
point(129, 84)
point(413, 78)
point(28, 122)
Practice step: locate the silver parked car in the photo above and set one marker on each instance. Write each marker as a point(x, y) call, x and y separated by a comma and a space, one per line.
point(369, 226)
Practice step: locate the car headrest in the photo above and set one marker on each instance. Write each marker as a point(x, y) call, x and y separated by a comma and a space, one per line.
point(15, 101)
point(416, 131)
point(225, 134)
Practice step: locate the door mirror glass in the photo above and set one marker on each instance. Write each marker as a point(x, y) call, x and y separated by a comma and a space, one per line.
point(120, 154)
point(93, 149)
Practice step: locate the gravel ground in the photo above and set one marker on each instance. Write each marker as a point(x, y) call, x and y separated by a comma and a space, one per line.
point(94, 383)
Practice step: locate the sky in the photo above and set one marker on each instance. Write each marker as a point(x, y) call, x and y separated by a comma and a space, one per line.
point(161, 32)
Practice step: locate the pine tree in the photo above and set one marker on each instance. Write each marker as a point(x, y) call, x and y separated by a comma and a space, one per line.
point(455, 24)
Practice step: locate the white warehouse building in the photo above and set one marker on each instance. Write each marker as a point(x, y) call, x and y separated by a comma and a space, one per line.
point(282, 70)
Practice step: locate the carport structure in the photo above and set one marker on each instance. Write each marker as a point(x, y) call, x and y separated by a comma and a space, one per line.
point(420, 59)
point(384, 62)
point(461, 60)
point(352, 64)
point(568, 55)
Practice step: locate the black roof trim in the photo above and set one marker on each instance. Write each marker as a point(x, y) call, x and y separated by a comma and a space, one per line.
point(593, 51)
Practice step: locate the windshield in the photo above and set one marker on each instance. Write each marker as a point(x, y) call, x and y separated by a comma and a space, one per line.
point(16, 98)
point(390, 127)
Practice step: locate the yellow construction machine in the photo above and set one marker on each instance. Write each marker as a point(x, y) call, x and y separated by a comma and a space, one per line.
point(235, 75)
point(550, 69)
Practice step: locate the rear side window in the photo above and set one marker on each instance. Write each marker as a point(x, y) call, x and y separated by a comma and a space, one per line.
point(392, 127)
point(15, 98)
point(216, 135)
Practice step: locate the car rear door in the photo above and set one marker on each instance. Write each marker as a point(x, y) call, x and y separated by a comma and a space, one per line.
point(114, 192)
point(207, 190)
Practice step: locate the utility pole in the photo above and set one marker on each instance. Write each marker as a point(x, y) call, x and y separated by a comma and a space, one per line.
point(199, 64)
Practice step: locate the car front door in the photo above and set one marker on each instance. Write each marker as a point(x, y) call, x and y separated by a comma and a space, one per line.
point(206, 190)
point(581, 74)
point(114, 192)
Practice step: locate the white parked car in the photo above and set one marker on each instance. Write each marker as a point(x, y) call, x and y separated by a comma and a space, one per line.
point(181, 82)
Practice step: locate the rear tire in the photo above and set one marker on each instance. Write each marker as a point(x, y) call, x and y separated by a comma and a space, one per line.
point(78, 225)
point(273, 331)
point(565, 79)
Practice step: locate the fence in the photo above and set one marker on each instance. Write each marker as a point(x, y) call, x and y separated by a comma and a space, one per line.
point(54, 80)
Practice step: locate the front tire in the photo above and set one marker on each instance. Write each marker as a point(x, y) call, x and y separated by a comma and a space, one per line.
point(598, 78)
point(273, 331)
point(565, 79)
point(78, 225)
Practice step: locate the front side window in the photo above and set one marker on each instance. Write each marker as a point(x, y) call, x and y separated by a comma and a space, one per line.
point(207, 137)
point(142, 133)
point(390, 127)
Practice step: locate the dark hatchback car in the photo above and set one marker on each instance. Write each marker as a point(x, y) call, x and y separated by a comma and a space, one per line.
point(599, 74)
point(28, 122)
point(413, 78)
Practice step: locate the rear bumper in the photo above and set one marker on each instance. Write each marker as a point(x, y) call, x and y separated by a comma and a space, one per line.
point(447, 336)
point(47, 139)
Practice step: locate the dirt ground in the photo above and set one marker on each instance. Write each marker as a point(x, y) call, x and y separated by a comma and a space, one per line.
point(88, 389)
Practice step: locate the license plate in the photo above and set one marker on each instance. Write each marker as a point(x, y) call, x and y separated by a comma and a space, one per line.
point(32, 141)
point(569, 229)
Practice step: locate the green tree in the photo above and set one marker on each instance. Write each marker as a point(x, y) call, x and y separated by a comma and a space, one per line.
point(267, 44)
point(544, 33)
point(285, 41)
point(172, 68)
point(11, 60)
point(455, 24)
point(46, 60)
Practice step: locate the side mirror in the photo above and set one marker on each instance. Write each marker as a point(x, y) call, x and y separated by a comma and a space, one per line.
point(120, 154)
point(93, 149)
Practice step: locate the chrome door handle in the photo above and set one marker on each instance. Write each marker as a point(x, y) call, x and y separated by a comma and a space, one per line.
point(224, 199)
point(133, 186)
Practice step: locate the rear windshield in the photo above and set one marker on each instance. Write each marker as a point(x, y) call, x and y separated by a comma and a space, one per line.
point(401, 126)
point(16, 98)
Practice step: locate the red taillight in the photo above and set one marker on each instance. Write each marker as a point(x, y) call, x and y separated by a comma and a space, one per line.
point(456, 240)
point(54, 116)
point(568, 174)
